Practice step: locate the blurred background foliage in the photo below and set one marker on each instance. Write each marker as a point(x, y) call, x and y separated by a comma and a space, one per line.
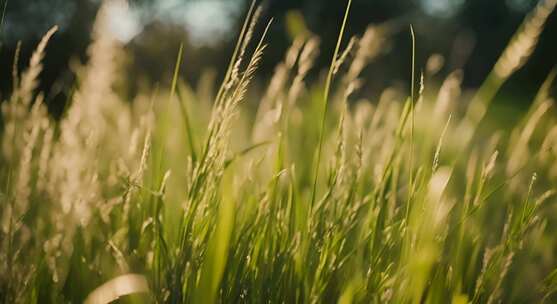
point(470, 34)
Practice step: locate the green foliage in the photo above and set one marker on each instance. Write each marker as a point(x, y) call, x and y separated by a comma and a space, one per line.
point(185, 198)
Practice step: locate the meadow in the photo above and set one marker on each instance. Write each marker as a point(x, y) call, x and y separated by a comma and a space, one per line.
point(295, 192)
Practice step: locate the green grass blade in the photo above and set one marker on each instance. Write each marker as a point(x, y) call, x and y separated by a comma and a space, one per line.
point(326, 93)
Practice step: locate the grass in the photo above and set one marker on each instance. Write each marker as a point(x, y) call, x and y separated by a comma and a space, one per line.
point(177, 197)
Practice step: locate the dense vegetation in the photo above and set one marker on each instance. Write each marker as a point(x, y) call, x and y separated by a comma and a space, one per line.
point(189, 196)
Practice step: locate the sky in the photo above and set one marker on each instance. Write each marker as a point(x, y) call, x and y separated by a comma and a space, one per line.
point(205, 21)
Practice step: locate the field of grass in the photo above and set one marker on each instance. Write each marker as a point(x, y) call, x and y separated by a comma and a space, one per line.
point(190, 195)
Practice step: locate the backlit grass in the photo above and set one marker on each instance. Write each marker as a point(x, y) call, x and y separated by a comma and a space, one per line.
point(192, 196)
